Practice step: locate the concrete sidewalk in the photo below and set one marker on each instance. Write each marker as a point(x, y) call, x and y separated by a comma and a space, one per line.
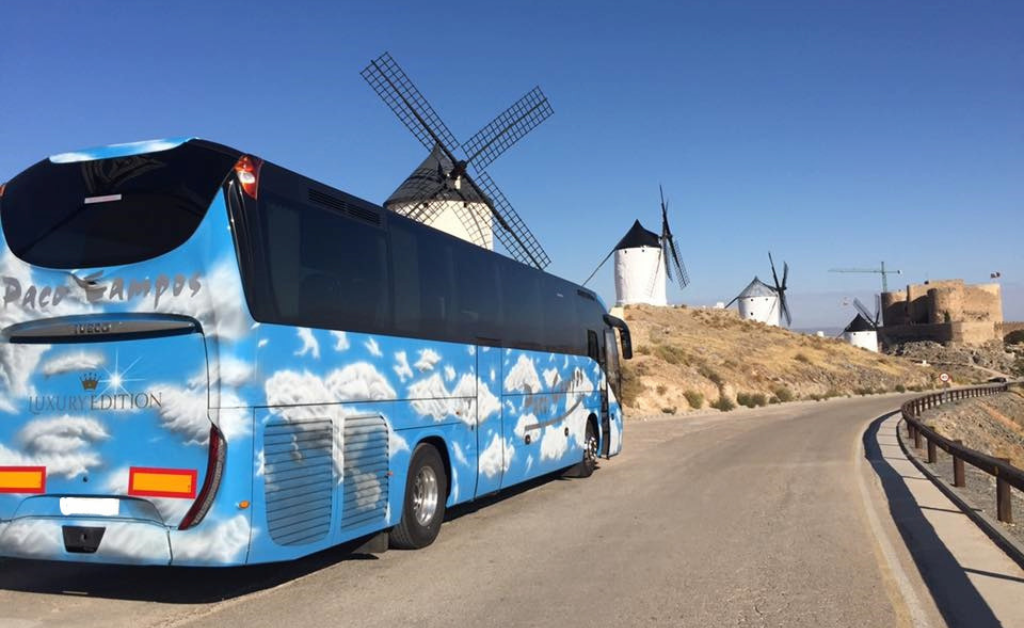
point(971, 581)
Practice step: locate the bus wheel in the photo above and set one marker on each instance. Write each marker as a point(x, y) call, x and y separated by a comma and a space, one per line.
point(585, 468)
point(424, 504)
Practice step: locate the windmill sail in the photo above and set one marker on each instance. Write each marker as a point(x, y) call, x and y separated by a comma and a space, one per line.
point(670, 251)
point(441, 192)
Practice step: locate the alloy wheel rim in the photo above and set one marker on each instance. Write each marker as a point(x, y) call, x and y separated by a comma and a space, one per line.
point(425, 496)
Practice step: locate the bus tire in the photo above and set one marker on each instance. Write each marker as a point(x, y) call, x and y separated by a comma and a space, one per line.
point(585, 468)
point(424, 504)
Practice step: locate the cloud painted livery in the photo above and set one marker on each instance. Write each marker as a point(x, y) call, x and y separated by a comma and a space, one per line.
point(202, 366)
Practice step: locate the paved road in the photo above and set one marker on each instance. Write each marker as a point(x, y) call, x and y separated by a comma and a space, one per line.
point(750, 518)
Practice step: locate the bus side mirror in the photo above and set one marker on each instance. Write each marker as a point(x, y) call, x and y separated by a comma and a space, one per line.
point(627, 341)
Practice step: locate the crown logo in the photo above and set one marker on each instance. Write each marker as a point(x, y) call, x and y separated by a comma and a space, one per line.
point(89, 381)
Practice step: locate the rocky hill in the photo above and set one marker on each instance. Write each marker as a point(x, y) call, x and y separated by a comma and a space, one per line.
point(993, 425)
point(686, 359)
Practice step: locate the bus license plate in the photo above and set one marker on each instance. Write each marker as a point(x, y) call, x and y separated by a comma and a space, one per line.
point(103, 507)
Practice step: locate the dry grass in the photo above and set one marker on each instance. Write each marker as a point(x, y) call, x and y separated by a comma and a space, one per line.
point(683, 352)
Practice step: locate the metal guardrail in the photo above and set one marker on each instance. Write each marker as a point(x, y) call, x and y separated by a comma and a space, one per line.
point(1006, 475)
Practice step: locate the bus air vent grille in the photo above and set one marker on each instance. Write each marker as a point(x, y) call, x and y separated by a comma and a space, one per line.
point(298, 463)
point(366, 472)
point(343, 206)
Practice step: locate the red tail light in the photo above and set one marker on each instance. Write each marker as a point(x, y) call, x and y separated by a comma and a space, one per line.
point(248, 171)
point(2, 186)
point(214, 472)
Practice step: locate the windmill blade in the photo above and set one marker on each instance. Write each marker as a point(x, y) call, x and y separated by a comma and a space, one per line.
point(398, 92)
point(669, 247)
point(864, 312)
point(514, 235)
point(507, 128)
point(734, 299)
point(673, 253)
point(775, 277)
point(785, 274)
point(785, 308)
point(878, 309)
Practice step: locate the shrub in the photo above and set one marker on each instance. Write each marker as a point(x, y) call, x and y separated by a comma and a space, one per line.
point(751, 400)
point(773, 400)
point(1015, 337)
point(694, 398)
point(662, 389)
point(672, 355)
point(802, 357)
point(783, 394)
point(667, 410)
point(864, 390)
point(723, 403)
point(712, 375)
point(901, 388)
point(642, 350)
point(833, 392)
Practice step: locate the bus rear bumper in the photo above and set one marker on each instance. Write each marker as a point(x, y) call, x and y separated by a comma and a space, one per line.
point(127, 542)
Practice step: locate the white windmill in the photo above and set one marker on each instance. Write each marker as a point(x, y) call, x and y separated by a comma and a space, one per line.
point(863, 329)
point(644, 263)
point(763, 303)
point(441, 192)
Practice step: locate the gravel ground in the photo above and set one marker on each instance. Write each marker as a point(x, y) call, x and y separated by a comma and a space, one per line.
point(980, 492)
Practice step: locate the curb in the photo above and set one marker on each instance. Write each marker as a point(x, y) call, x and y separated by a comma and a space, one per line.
point(992, 528)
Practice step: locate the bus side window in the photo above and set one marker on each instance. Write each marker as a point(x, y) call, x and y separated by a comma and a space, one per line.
point(479, 306)
point(424, 283)
point(593, 349)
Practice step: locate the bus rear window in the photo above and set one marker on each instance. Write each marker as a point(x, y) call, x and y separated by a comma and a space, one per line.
point(109, 212)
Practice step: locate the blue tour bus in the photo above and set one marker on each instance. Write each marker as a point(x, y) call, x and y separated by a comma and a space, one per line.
point(206, 359)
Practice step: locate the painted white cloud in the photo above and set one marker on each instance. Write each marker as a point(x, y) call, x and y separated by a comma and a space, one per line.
point(340, 340)
point(401, 367)
point(310, 345)
point(496, 457)
point(449, 373)
point(460, 456)
point(523, 377)
point(374, 348)
point(62, 445)
point(554, 443)
point(212, 542)
point(486, 401)
point(526, 421)
point(359, 382)
point(217, 305)
point(428, 359)
point(184, 411)
point(551, 377)
point(430, 397)
point(70, 362)
point(234, 372)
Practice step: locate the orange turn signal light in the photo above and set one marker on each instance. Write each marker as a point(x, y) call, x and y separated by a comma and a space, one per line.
point(22, 479)
point(150, 482)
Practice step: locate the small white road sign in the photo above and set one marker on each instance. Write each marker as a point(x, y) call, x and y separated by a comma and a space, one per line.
point(944, 377)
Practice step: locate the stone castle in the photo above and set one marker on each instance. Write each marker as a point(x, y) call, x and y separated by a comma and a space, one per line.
point(947, 311)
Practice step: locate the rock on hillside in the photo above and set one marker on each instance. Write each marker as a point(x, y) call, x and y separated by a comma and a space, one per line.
point(691, 358)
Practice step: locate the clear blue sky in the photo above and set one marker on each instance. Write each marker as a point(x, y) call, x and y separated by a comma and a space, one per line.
point(832, 133)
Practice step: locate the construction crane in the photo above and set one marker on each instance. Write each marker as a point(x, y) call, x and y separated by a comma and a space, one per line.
point(882, 271)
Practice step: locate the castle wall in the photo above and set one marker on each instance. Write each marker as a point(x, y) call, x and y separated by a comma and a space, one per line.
point(945, 305)
point(983, 302)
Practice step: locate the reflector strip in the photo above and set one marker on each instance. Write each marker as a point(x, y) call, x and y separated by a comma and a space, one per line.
point(22, 479)
point(147, 482)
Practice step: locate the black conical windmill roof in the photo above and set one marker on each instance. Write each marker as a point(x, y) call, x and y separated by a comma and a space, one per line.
point(859, 323)
point(637, 236)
